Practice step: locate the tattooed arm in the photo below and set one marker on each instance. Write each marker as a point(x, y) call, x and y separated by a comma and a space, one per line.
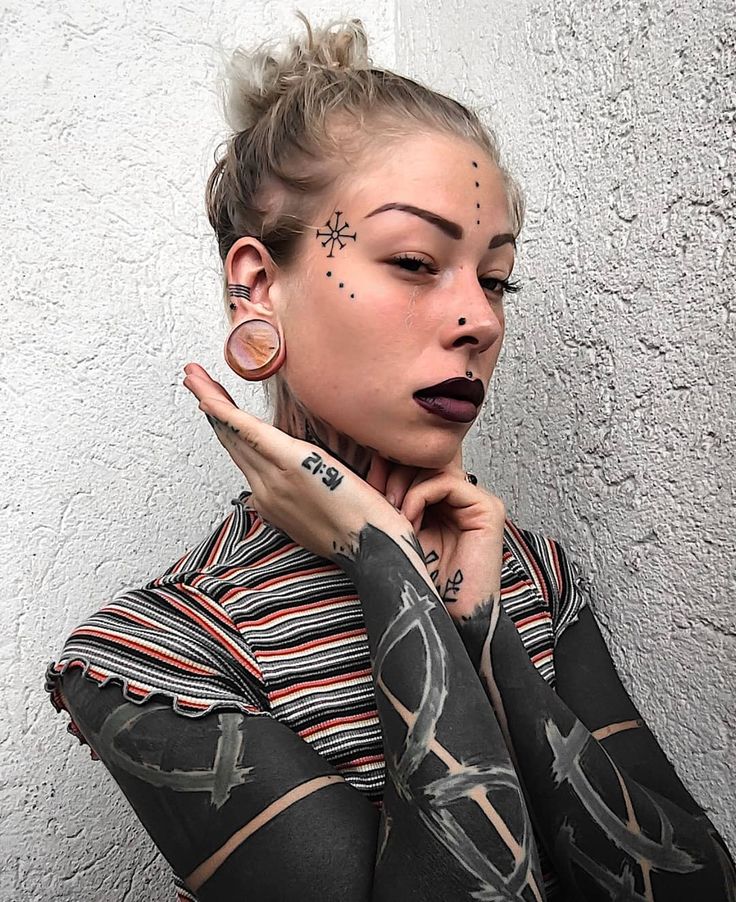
point(609, 807)
point(239, 805)
point(237, 802)
point(455, 823)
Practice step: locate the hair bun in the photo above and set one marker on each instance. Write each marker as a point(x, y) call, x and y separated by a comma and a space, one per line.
point(255, 79)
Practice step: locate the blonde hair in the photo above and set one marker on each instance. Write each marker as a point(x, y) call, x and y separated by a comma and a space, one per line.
point(287, 111)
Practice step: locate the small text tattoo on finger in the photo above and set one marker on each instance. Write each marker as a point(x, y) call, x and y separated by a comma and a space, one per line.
point(214, 422)
point(317, 466)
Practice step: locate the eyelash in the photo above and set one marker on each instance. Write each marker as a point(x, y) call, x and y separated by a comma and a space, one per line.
point(507, 286)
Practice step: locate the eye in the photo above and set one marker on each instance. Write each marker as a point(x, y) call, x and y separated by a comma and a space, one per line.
point(413, 264)
point(500, 286)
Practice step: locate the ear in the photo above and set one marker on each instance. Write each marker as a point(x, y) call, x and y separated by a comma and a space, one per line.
point(248, 263)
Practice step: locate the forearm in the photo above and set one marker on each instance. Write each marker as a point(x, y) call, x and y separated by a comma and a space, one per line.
point(608, 834)
point(455, 821)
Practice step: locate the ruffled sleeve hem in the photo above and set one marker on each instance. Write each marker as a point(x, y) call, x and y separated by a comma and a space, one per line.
point(139, 694)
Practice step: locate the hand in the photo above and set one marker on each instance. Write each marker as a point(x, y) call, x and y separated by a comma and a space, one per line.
point(297, 487)
point(459, 527)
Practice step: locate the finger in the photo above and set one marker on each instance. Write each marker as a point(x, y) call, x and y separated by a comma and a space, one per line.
point(200, 382)
point(257, 441)
point(399, 479)
point(442, 487)
point(202, 390)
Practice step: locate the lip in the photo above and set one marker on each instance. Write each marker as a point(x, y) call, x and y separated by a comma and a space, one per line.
point(455, 410)
point(459, 388)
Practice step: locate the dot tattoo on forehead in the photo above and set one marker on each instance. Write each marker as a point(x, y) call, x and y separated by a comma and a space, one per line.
point(335, 234)
point(477, 185)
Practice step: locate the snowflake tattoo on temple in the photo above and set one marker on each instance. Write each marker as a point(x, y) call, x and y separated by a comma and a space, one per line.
point(335, 233)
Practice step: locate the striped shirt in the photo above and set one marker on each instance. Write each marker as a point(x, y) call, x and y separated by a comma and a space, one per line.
point(249, 620)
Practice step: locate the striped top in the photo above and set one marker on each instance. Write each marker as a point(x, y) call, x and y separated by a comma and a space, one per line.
point(249, 620)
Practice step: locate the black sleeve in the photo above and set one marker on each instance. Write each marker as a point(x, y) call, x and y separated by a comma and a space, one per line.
point(238, 804)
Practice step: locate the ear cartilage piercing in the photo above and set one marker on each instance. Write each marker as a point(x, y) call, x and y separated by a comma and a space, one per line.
point(461, 321)
point(239, 291)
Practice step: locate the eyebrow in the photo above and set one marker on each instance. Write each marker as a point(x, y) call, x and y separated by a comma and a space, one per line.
point(446, 225)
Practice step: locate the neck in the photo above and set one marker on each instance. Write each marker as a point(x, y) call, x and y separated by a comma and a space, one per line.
point(294, 419)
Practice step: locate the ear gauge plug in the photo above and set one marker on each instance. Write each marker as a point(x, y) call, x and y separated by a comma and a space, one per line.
point(254, 349)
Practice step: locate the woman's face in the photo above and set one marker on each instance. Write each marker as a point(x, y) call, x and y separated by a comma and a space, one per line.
point(385, 302)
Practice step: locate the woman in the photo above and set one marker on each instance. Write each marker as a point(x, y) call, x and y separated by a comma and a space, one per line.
point(367, 683)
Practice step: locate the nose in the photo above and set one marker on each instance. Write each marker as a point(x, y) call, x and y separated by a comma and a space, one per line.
point(479, 321)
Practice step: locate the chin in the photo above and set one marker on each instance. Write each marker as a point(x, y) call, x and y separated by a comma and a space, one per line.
point(428, 453)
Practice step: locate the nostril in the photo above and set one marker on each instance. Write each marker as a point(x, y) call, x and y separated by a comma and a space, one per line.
point(465, 339)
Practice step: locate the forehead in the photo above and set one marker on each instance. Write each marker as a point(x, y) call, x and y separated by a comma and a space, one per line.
point(442, 172)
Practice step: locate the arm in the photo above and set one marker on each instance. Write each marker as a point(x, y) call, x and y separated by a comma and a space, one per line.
point(455, 823)
point(238, 804)
point(228, 819)
point(614, 816)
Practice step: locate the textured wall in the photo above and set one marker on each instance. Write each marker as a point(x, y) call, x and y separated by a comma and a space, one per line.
point(612, 424)
point(110, 284)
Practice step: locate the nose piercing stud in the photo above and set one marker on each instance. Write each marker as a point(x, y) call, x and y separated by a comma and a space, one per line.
point(461, 321)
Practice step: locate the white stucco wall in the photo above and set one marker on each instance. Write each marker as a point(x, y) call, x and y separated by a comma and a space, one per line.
point(110, 284)
point(612, 419)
